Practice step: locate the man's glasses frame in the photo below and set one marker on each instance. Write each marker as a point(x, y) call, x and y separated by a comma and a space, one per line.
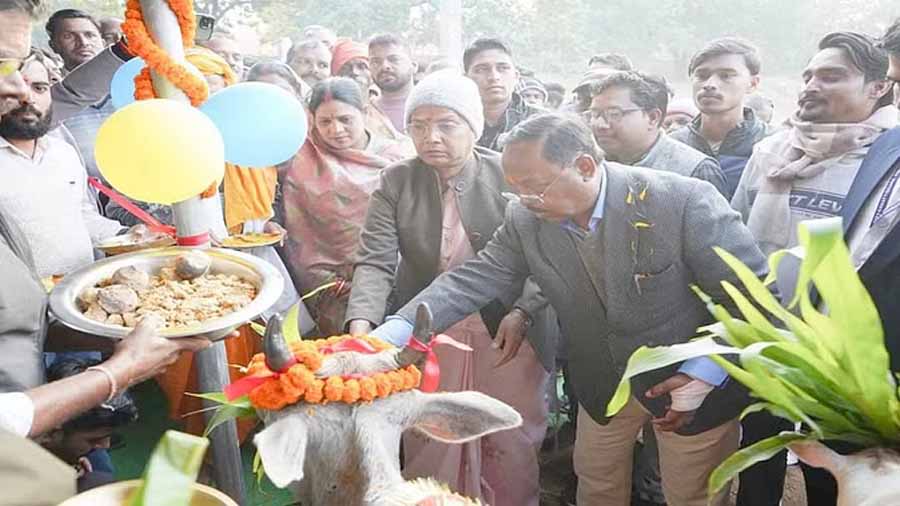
point(611, 115)
point(529, 200)
point(9, 66)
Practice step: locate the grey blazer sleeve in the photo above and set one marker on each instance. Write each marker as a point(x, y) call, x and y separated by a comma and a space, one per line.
point(709, 221)
point(377, 258)
point(495, 273)
point(84, 86)
point(532, 300)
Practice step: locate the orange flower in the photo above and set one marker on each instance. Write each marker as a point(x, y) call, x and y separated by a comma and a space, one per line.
point(299, 383)
point(351, 391)
point(334, 388)
point(141, 44)
point(367, 389)
point(314, 394)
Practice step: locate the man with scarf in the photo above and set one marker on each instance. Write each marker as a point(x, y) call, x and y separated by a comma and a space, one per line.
point(806, 170)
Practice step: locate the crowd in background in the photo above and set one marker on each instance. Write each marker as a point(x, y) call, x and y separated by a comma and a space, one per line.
point(407, 173)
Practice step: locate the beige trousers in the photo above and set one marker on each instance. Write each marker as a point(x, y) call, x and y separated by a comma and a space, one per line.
point(604, 453)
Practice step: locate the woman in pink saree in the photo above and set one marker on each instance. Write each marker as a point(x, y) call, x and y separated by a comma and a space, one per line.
point(326, 192)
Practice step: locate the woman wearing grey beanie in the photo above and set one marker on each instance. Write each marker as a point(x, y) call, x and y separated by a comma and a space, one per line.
point(428, 215)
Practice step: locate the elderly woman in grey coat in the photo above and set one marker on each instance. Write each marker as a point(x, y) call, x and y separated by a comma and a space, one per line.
point(430, 214)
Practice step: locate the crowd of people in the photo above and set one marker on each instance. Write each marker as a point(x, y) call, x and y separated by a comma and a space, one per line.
point(549, 230)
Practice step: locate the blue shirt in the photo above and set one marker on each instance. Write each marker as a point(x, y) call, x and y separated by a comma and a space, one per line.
point(397, 330)
point(597, 215)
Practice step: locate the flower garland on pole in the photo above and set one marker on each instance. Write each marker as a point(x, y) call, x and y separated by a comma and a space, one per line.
point(141, 44)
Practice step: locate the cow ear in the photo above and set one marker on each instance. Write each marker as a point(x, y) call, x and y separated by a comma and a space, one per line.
point(459, 417)
point(816, 454)
point(282, 448)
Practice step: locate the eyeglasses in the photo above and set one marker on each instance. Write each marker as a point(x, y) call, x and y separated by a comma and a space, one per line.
point(530, 200)
point(611, 115)
point(9, 66)
point(419, 130)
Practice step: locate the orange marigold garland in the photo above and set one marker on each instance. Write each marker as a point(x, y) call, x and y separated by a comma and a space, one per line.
point(141, 43)
point(299, 383)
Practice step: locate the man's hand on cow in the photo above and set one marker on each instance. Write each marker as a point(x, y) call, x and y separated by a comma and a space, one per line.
point(687, 395)
point(510, 335)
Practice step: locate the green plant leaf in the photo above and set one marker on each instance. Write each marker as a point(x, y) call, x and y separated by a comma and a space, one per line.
point(646, 359)
point(258, 469)
point(219, 397)
point(746, 457)
point(851, 313)
point(291, 327)
point(259, 329)
point(226, 410)
point(753, 316)
point(171, 472)
point(764, 298)
point(225, 413)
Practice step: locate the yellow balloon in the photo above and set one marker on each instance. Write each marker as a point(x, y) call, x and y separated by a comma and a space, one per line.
point(160, 151)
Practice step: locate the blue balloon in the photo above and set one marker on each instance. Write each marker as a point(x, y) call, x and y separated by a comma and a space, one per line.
point(121, 88)
point(261, 124)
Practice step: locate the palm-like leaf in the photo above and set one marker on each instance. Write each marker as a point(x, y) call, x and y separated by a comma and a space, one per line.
point(828, 369)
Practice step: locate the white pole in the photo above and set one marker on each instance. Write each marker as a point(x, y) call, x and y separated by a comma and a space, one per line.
point(450, 21)
point(193, 217)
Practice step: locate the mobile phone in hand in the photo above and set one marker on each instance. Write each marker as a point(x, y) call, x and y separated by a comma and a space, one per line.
point(205, 26)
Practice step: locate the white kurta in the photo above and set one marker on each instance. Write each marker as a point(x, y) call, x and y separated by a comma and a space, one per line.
point(47, 197)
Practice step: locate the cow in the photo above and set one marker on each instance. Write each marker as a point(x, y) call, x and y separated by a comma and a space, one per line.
point(341, 454)
point(868, 478)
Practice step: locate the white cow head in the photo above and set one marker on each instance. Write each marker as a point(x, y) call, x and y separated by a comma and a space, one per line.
point(348, 455)
point(867, 478)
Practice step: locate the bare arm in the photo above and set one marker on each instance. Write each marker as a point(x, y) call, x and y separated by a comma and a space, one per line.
point(139, 356)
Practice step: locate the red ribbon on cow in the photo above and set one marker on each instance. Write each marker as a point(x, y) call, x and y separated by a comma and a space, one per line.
point(245, 385)
point(431, 372)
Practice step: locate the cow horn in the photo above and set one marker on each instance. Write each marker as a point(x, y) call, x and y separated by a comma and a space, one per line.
point(409, 356)
point(278, 355)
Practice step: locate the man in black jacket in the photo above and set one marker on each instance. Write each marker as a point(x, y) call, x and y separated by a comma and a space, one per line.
point(722, 74)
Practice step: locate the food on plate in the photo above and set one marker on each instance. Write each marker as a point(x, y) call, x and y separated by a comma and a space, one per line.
point(192, 264)
point(251, 240)
point(181, 294)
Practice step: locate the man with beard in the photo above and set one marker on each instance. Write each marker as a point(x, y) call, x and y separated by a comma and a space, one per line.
point(351, 59)
point(722, 74)
point(311, 60)
point(393, 69)
point(45, 185)
point(805, 171)
point(74, 36)
point(490, 64)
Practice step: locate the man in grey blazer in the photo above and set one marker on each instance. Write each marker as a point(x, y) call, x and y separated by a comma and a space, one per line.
point(614, 249)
